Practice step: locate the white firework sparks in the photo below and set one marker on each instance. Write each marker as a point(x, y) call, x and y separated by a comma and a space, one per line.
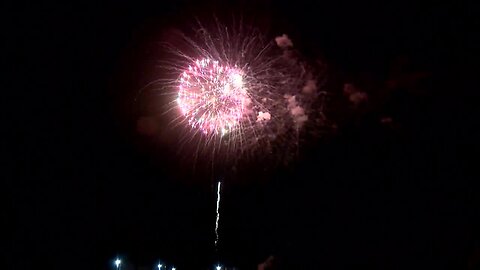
point(218, 213)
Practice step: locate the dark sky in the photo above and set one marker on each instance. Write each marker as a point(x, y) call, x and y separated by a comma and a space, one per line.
point(83, 185)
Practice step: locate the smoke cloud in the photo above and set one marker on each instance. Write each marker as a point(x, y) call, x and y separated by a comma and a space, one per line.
point(297, 112)
point(284, 42)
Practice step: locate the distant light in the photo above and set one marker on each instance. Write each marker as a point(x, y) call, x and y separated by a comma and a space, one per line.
point(118, 262)
point(159, 266)
point(173, 268)
point(219, 267)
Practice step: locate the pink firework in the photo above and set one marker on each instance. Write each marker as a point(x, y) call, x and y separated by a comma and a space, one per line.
point(212, 97)
point(237, 92)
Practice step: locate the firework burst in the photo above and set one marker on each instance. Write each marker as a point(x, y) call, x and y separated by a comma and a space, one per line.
point(237, 92)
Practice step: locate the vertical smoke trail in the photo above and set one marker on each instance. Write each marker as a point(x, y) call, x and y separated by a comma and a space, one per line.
point(218, 213)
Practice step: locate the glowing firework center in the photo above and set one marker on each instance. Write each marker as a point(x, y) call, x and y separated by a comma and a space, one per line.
point(212, 97)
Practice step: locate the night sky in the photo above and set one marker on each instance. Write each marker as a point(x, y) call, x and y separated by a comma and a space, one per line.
point(392, 186)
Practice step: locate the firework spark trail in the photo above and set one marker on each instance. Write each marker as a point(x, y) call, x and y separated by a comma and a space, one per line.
point(218, 212)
